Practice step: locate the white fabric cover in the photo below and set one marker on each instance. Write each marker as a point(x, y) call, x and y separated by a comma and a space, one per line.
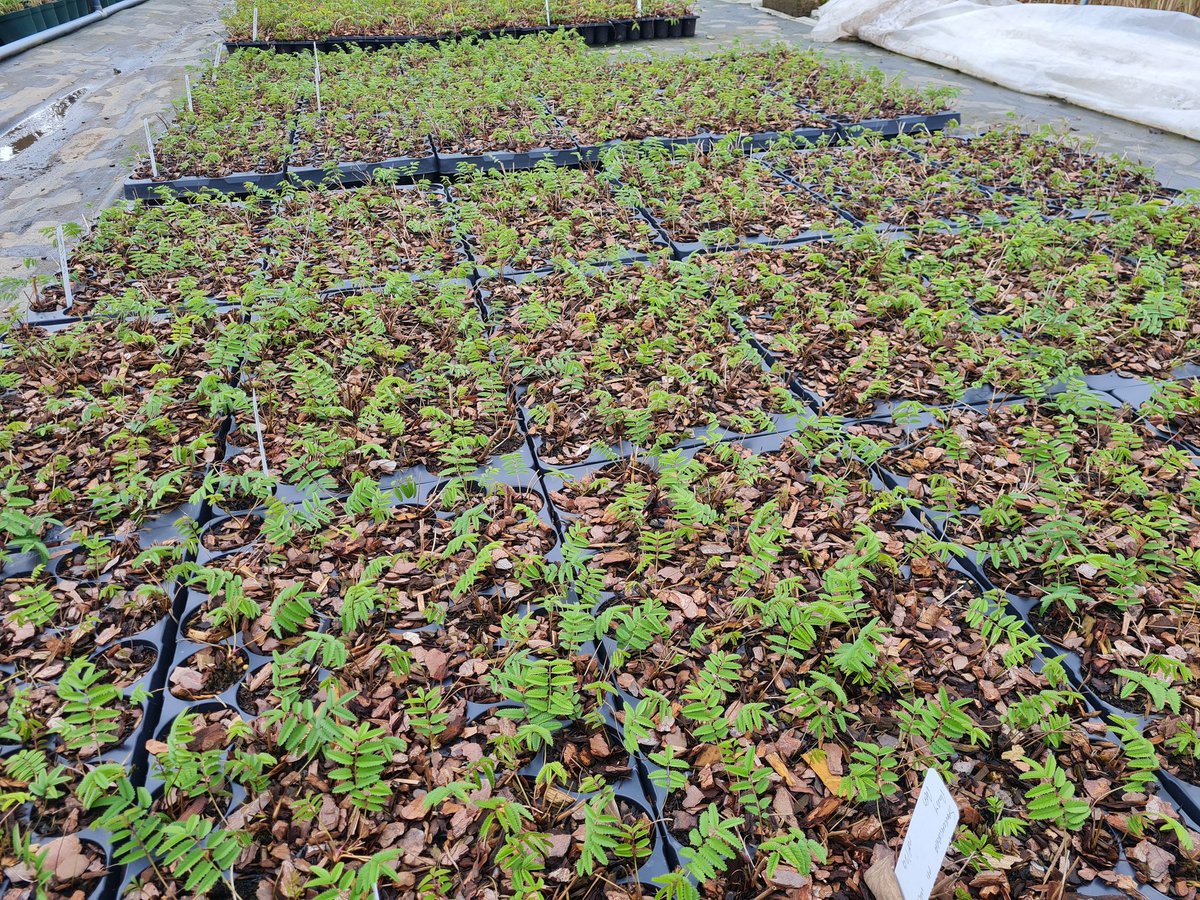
point(1139, 64)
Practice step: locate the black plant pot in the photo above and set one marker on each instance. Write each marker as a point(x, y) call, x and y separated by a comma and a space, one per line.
point(16, 25)
point(49, 13)
point(38, 15)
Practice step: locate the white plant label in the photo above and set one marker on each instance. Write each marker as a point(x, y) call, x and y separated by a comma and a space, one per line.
point(187, 83)
point(262, 448)
point(66, 272)
point(150, 147)
point(254, 36)
point(317, 75)
point(929, 833)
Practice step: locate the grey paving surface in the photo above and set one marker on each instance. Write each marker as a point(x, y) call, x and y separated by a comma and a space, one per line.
point(126, 68)
point(132, 65)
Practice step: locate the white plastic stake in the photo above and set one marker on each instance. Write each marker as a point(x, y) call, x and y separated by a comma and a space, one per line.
point(262, 447)
point(62, 258)
point(254, 34)
point(639, 8)
point(547, 13)
point(150, 145)
point(929, 833)
point(187, 83)
point(317, 75)
point(216, 60)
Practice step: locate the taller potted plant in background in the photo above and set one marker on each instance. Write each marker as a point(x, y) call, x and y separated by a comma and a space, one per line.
point(55, 13)
point(675, 17)
point(70, 10)
point(17, 21)
point(795, 8)
point(22, 18)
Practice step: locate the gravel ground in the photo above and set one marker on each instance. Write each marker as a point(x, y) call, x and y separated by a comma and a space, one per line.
point(88, 93)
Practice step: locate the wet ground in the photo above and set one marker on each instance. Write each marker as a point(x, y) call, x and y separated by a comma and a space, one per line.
point(72, 111)
point(71, 114)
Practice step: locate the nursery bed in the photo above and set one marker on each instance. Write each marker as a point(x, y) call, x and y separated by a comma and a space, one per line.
point(422, 109)
point(645, 528)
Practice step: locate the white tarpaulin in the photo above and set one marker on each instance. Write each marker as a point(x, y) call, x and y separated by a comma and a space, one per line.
point(1138, 64)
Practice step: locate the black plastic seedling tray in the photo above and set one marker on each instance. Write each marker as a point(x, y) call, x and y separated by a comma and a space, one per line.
point(684, 249)
point(238, 184)
point(822, 135)
point(912, 124)
point(450, 164)
point(483, 272)
point(346, 174)
point(590, 153)
point(456, 163)
point(470, 247)
point(278, 46)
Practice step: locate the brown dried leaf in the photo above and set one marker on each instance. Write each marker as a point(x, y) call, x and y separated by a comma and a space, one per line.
point(818, 762)
point(65, 858)
point(187, 679)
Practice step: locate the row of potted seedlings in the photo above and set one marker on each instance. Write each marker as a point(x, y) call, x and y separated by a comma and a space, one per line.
point(285, 25)
point(638, 203)
point(689, 666)
point(963, 326)
point(794, 653)
point(1084, 511)
point(384, 671)
point(666, 574)
point(505, 103)
point(85, 645)
point(560, 341)
point(312, 636)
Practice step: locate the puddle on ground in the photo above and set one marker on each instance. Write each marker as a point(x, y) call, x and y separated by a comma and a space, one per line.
point(29, 131)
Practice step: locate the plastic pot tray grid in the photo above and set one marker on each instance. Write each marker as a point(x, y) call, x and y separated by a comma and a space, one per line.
point(450, 165)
